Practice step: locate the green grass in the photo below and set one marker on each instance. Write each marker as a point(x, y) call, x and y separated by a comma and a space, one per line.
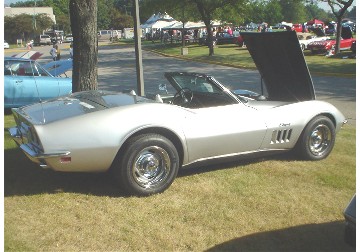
point(264, 204)
point(233, 55)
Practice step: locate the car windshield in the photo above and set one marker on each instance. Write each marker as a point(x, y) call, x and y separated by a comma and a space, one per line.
point(23, 68)
point(196, 83)
point(203, 90)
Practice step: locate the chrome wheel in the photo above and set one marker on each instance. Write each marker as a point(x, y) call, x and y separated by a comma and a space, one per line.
point(317, 140)
point(151, 167)
point(148, 164)
point(320, 139)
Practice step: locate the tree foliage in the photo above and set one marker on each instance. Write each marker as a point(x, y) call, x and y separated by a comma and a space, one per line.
point(293, 10)
point(195, 10)
point(23, 26)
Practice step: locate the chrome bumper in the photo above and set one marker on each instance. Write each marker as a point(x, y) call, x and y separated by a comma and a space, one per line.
point(29, 150)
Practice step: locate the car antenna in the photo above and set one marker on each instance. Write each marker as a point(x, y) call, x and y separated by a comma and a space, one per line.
point(38, 93)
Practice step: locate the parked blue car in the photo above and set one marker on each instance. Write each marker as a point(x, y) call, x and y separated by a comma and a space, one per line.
point(27, 82)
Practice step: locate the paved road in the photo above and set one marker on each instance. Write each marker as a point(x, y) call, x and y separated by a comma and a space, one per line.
point(116, 71)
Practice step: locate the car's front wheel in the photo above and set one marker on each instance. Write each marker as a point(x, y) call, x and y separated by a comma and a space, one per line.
point(317, 139)
point(148, 165)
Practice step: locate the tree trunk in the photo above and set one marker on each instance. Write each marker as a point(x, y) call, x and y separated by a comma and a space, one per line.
point(338, 35)
point(206, 17)
point(210, 39)
point(342, 6)
point(83, 17)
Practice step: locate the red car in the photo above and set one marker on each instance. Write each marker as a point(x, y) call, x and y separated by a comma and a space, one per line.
point(298, 28)
point(239, 41)
point(327, 45)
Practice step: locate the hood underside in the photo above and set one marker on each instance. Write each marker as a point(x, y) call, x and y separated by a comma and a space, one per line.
point(319, 32)
point(56, 68)
point(282, 66)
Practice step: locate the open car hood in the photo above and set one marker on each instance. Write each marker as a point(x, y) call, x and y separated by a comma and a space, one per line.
point(56, 68)
point(282, 66)
point(346, 32)
point(34, 55)
point(319, 32)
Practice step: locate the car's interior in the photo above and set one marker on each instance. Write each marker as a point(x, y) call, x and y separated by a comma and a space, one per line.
point(198, 91)
point(23, 68)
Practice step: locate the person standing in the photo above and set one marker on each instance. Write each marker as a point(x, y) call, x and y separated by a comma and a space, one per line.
point(53, 52)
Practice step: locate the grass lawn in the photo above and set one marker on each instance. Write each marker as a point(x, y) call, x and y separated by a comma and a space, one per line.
point(236, 56)
point(268, 204)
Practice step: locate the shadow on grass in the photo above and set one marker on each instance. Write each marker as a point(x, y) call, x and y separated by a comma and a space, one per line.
point(311, 237)
point(226, 163)
point(22, 177)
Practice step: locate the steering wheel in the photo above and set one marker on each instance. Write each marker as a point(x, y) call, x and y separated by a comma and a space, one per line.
point(183, 96)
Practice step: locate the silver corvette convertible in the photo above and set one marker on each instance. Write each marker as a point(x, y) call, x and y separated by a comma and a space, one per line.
point(145, 140)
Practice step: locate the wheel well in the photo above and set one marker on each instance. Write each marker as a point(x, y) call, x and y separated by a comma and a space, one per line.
point(164, 132)
point(330, 116)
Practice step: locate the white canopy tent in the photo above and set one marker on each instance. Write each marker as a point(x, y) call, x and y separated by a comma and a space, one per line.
point(189, 25)
point(158, 21)
point(160, 24)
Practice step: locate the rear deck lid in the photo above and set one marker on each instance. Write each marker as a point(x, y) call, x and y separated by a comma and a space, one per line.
point(76, 104)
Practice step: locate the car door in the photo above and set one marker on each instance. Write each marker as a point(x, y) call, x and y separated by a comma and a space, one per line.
point(346, 44)
point(223, 131)
point(24, 86)
point(47, 85)
point(9, 84)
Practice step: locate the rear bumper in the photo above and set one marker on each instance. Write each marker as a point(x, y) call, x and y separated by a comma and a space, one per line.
point(32, 152)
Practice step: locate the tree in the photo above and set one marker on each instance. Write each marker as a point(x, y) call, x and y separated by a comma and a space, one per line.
point(339, 8)
point(343, 6)
point(352, 13)
point(22, 26)
point(209, 10)
point(293, 10)
point(256, 12)
point(103, 17)
point(205, 10)
point(83, 17)
point(273, 12)
point(120, 21)
point(314, 11)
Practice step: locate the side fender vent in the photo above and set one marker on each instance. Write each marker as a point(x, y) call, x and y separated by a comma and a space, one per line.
point(281, 136)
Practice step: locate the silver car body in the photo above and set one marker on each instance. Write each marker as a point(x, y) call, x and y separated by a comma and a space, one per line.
point(86, 131)
point(75, 133)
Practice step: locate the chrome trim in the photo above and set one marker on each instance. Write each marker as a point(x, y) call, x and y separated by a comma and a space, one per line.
point(31, 153)
point(26, 148)
point(151, 167)
point(14, 132)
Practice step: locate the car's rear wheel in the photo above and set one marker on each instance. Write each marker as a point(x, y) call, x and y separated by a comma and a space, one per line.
point(148, 165)
point(317, 139)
